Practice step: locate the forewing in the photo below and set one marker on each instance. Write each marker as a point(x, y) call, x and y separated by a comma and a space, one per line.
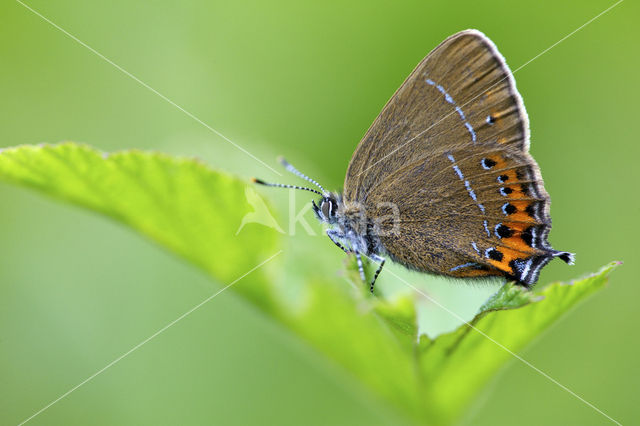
point(462, 93)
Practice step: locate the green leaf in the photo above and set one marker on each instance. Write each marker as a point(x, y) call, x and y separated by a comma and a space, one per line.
point(179, 203)
point(456, 365)
point(197, 213)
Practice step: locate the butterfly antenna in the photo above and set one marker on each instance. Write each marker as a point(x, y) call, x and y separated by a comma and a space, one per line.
point(296, 172)
point(282, 185)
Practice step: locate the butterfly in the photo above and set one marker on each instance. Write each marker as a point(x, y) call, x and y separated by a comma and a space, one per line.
point(443, 182)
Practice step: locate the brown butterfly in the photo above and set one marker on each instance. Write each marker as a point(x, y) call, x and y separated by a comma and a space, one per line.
point(443, 181)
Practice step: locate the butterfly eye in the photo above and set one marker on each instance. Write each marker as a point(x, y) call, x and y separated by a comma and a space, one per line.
point(327, 208)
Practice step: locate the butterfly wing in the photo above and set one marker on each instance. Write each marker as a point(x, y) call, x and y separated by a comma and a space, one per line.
point(484, 212)
point(450, 150)
point(461, 93)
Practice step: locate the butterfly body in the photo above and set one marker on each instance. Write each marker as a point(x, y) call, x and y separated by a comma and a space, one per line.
point(442, 181)
point(350, 224)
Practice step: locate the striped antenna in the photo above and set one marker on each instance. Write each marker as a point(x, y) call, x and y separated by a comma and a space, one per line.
point(295, 171)
point(282, 185)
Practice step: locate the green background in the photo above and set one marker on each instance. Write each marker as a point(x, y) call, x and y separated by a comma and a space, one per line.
point(77, 291)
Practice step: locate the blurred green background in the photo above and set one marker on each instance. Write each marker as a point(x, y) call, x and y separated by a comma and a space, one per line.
point(304, 80)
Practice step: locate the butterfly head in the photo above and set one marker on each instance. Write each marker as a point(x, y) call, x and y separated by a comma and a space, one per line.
point(326, 209)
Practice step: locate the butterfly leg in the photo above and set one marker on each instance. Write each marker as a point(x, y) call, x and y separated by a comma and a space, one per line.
point(360, 267)
point(335, 236)
point(380, 259)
